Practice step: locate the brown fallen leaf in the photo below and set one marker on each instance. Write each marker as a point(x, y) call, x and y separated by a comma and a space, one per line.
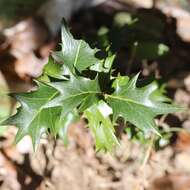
point(183, 141)
point(27, 35)
point(26, 38)
point(28, 65)
point(172, 182)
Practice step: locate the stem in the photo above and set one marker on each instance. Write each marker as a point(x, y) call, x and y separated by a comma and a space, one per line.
point(147, 155)
point(145, 161)
point(132, 57)
point(175, 129)
point(154, 3)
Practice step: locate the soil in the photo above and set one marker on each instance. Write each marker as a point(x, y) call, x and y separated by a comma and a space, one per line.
point(132, 165)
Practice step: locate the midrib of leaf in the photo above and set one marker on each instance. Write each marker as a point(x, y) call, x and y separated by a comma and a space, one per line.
point(77, 53)
point(79, 94)
point(82, 93)
point(124, 99)
point(40, 109)
point(38, 112)
point(132, 101)
point(89, 92)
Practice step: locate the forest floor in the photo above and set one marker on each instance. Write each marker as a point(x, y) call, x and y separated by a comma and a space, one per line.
point(132, 166)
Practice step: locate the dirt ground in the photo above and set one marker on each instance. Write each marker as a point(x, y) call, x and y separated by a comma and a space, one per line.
point(132, 165)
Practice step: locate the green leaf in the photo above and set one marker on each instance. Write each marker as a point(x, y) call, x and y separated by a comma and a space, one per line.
point(104, 65)
point(137, 105)
point(151, 50)
point(101, 126)
point(55, 70)
point(77, 91)
point(32, 118)
point(124, 18)
point(65, 94)
point(66, 122)
point(76, 53)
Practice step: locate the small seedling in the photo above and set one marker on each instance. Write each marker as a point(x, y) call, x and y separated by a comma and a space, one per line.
point(75, 82)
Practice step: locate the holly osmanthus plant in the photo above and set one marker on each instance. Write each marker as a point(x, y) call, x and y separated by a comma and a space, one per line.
point(75, 82)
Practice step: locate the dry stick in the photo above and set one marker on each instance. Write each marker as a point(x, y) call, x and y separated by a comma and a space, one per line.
point(147, 155)
point(167, 128)
point(154, 2)
point(122, 125)
point(132, 57)
point(146, 158)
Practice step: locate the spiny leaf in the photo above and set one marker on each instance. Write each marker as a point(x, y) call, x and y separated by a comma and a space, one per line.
point(104, 65)
point(74, 92)
point(55, 70)
point(150, 50)
point(76, 53)
point(66, 122)
point(137, 105)
point(101, 126)
point(32, 118)
point(54, 105)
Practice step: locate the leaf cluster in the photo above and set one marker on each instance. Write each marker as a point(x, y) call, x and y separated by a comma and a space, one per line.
point(75, 82)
